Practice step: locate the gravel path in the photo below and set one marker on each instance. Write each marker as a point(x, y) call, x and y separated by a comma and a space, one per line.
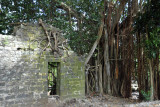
point(105, 101)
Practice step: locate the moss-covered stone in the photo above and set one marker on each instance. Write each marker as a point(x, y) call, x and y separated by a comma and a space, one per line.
point(31, 73)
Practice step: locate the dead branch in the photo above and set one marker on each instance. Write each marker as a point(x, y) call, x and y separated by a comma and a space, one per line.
point(48, 36)
point(71, 11)
point(52, 39)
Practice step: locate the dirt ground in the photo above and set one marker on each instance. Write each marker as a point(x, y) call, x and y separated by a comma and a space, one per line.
point(101, 101)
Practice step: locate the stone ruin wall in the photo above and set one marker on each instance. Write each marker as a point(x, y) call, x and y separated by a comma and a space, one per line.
point(24, 70)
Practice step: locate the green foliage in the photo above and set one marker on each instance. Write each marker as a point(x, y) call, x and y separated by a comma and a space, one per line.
point(146, 95)
point(52, 73)
point(149, 19)
point(81, 39)
point(147, 23)
point(153, 43)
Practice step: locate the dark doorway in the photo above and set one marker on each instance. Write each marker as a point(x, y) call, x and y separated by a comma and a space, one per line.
point(53, 77)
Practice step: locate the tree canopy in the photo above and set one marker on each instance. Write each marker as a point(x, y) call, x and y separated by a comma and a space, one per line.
point(79, 19)
point(148, 23)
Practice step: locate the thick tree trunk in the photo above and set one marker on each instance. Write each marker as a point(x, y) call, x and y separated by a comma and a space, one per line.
point(156, 67)
point(100, 80)
point(127, 69)
point(151, 79)
point(158, 77)
point(159, 82)
point(139, 68)
point(96, 77)
point(107, 65)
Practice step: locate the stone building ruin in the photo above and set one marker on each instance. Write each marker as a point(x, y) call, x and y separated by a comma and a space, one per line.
point(30, 71)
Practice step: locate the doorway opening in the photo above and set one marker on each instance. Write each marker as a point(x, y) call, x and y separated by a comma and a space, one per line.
point(53, 78)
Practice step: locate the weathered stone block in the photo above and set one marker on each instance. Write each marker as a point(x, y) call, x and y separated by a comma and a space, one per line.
point(2, 83)
point(10, 97)
point(27, 95)
point(1, 99)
